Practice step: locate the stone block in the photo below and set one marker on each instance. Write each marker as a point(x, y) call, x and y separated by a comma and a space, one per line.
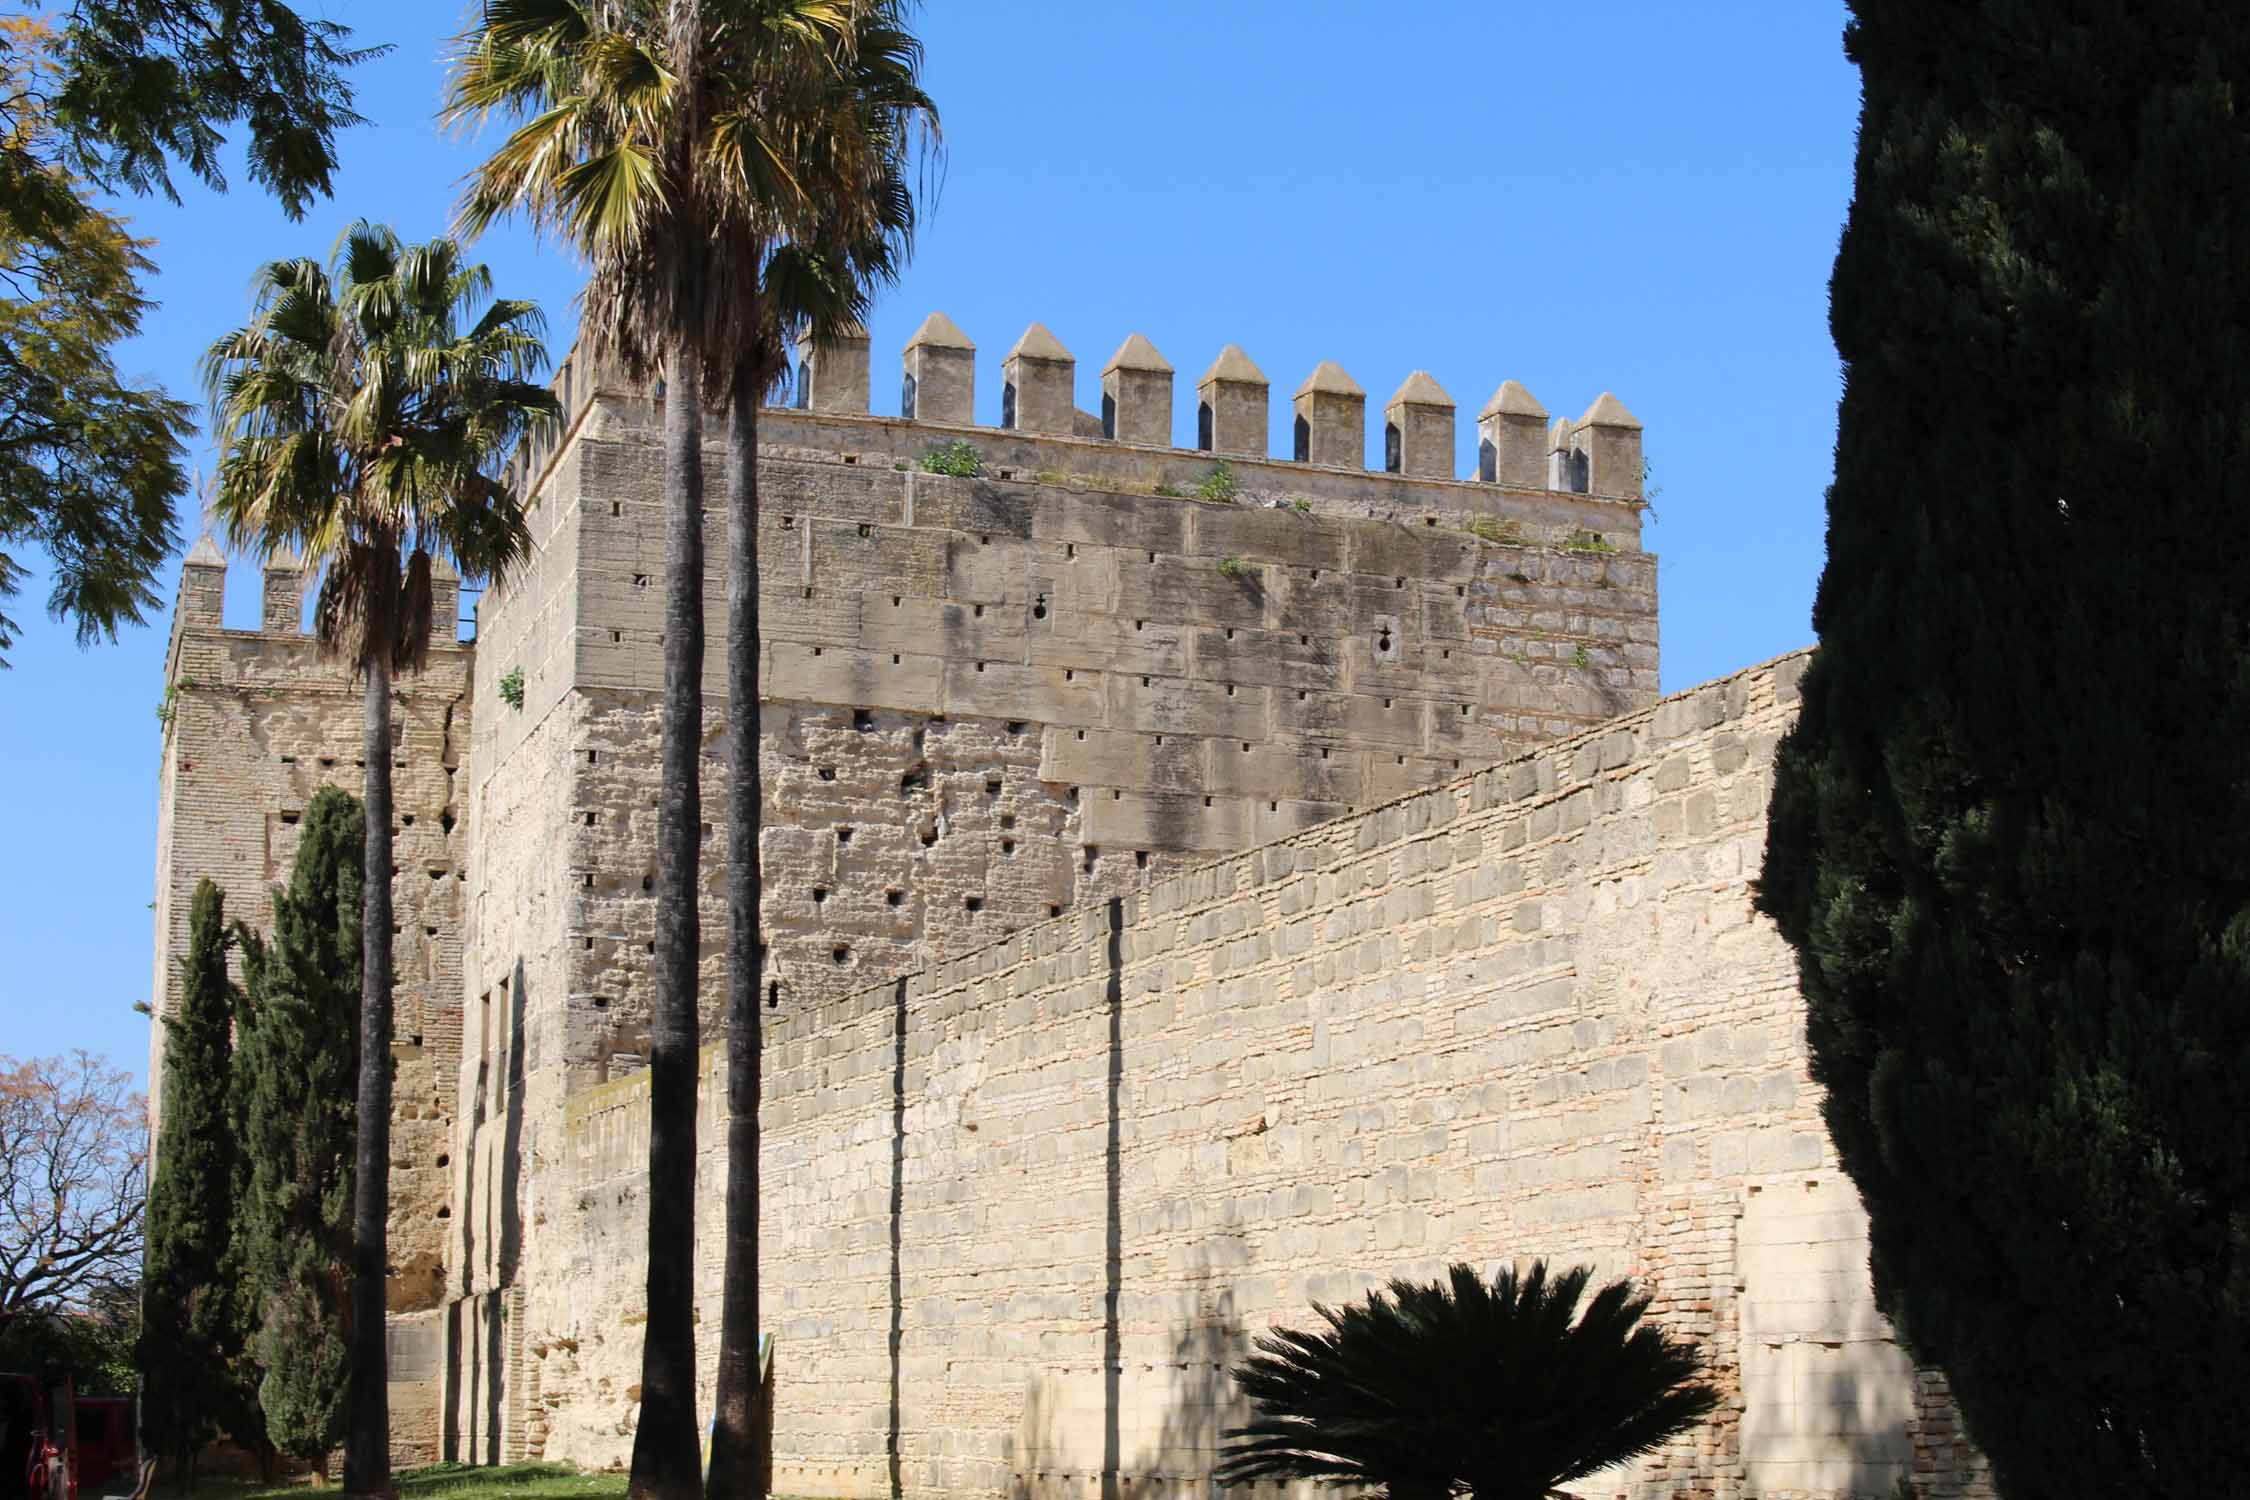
point(1099, 758)
point(1350, 719)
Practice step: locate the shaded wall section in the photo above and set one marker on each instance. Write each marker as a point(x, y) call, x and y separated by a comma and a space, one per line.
point(1017, 1226)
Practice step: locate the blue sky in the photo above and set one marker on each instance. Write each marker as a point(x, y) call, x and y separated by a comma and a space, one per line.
point(1637, 197)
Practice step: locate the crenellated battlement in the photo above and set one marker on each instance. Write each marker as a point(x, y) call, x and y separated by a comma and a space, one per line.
point(281, 602)
point(1596, 458)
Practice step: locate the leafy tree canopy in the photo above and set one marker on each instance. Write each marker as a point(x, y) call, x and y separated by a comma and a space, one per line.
point(150, 82)
point(126, 91)
point(89, 460)
point(2010, 836)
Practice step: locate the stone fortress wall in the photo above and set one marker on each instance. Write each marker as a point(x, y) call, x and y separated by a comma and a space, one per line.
point(1025, 1206)
point(254, 722)
point(1002, 713)
point(988, 701)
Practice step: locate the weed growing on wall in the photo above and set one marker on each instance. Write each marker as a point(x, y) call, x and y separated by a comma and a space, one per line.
point(959, 458)
point(1220, 486)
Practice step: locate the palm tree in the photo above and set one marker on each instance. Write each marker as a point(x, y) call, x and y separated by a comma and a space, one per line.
point(753, 146)
point(1462, 1387)
point(810, 257)
point(364, 414)
point(604, 98)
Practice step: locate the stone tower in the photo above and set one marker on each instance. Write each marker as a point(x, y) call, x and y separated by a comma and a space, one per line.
point(989, 702)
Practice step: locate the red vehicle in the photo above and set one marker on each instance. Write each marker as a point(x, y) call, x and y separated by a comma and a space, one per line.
point(107, 1454)
point(38, 1442)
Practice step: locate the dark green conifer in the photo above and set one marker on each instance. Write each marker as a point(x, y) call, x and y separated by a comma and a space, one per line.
point(299, 1062)
point(191, 1339)
point(2011, 832)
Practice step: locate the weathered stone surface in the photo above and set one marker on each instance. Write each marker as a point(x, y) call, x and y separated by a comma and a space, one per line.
point(998, 710)
point(1526, 1012)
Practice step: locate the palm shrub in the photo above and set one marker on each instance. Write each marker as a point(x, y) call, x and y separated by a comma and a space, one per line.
point(1503, 1390)
point(364, 414)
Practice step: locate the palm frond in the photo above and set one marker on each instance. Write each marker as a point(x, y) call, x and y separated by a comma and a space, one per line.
point(358, 423)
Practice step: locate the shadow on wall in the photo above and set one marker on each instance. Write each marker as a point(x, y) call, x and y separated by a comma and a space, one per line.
point(1121, 1428)
point(1168, 1418)
point(1828, 1396)
point(1200, 1402)
point(478, 1329)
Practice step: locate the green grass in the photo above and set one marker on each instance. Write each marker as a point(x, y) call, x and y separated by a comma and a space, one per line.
point(506, 1482)
point(437, 1482)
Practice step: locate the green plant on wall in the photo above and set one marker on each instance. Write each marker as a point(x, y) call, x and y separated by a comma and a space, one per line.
point(511, 687)
point(1582, 540)
point(1231, 566)
point(1494, 530)
point(168, 705)
point(1220, 486)
point(959, 458)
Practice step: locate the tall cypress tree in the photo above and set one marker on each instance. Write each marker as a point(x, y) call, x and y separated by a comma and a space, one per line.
point(2011, 831)
point(299, 1064)
point(191, 1341)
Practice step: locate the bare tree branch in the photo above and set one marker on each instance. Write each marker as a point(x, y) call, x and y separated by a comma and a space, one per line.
point(73, 1178)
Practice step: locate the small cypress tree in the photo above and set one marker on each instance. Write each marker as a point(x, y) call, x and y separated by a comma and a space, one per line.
point(2010, 836)
point(190, 1342)
point(300, 1067)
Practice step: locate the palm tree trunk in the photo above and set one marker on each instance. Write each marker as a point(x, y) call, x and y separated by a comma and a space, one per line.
point(738, 1459)
point(367, 1425)
point(666, 1449)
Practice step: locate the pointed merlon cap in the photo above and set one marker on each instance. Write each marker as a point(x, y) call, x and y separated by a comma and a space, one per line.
point(1512, 400)
point(1608, 411)
point(206, 554)
point(1234, 365)
point(855, 332)
point(1038, 343)
point(1137, 353)
point(939, 332)
point(282, 560)
point(1558, 434)
point(442, 569)
point(1328, 379)
point(1421, 389)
